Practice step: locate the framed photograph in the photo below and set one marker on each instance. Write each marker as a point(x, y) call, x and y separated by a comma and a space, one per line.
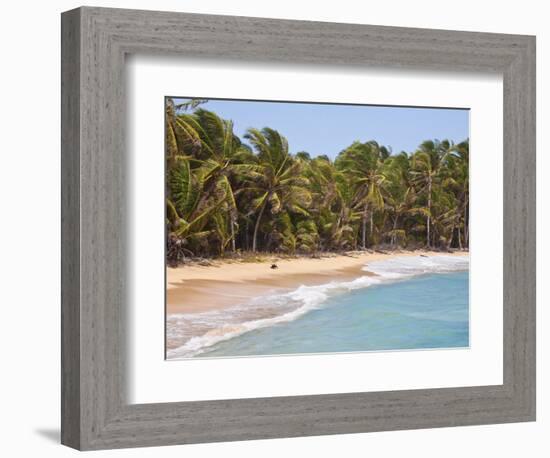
point(278, 228)
point(305, 244)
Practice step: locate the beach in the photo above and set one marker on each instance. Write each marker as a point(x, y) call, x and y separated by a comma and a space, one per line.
point(224, 283)
point(212, 302)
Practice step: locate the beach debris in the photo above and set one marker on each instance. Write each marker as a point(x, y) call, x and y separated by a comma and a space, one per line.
point(274, 266)
point(423, 256)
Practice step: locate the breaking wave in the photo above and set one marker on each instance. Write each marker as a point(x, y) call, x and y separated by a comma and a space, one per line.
point(194, 333)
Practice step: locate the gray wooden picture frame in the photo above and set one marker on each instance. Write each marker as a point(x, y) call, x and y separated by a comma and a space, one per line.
point(95, 412)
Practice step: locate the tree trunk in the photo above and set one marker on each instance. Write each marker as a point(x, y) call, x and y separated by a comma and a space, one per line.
point(450, 241)
point(429, 211)
point(459, 238)
point(257, 225)
point(332, 236)
point(232, 223)
point(206, 193)
point(364, 224)
point(466, 241)
point(247, 234)
point(394, 229)
point(371, 224)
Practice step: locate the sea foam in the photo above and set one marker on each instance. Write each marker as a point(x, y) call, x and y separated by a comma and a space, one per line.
point(406, 266)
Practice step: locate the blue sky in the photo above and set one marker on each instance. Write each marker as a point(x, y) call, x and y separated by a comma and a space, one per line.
point(328, 129)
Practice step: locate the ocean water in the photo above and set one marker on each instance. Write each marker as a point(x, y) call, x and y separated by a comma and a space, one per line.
point(412, 302)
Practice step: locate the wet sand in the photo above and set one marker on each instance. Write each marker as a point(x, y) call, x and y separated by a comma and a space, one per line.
point(197, 288)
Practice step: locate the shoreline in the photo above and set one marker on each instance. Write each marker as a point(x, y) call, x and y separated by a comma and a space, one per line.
point(223, 283)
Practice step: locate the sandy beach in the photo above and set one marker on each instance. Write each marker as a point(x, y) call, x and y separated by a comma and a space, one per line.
point(199, 288)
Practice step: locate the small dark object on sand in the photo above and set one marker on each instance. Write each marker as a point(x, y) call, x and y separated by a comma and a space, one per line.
point(274, 266)
point(423, 256)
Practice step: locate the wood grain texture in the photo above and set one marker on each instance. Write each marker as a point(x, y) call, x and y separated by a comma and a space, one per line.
point(95, 411)
point(70, 229)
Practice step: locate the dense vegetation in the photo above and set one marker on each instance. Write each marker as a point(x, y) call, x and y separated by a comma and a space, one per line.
point(227, 196)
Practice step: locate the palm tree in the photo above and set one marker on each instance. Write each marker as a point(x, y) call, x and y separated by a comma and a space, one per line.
point(331, 207)
point(426, 165)
point(277, 181)
point(361, 163)
point(456, 176)
point(223, 195)
point(398, 192)
point(219, 153)
point(179, 137)
point(187, 218)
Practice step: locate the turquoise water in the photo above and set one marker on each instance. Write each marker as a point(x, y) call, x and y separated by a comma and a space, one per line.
point(420, 312)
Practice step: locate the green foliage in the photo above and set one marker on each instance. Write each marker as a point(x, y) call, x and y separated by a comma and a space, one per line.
point(223, 195)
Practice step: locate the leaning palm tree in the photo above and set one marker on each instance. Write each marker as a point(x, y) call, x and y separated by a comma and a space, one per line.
point(187, 216)
point(181, 139)
point(456, 177)
point(277, 181)
point(426, 164)
point(219, 153)
point(445, 216)
point(398, 192)
point(326, 199)
point(361, 163)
